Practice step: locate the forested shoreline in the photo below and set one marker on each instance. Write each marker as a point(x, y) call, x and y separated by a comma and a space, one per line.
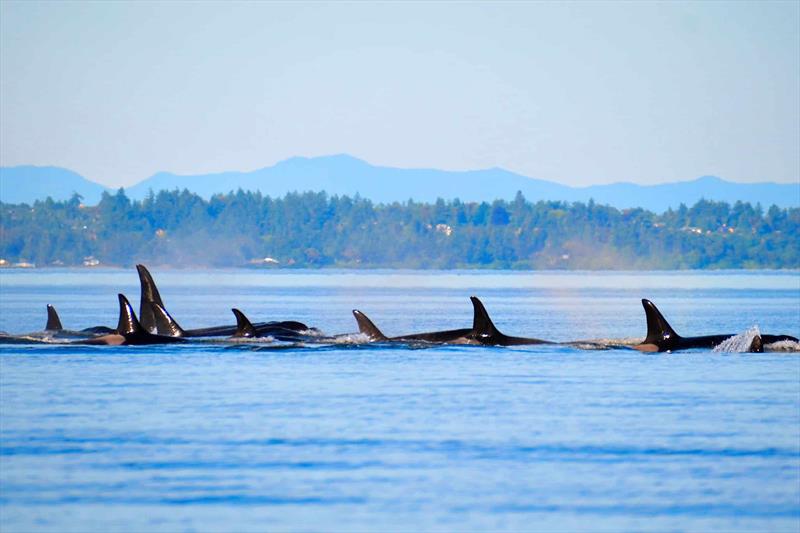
point(179, 228)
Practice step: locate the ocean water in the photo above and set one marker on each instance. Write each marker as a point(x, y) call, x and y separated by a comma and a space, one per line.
point(260, 437)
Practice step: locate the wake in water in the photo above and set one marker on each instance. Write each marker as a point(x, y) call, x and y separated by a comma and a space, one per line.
point(747, 341)
point(751, 341)
point(783, 346)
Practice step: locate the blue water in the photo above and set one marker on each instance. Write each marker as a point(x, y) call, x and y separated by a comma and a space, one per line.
point(253, 438)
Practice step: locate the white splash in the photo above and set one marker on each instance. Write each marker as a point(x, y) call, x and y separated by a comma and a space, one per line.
point(351, 338)
point(740, 343)
point(783, 346)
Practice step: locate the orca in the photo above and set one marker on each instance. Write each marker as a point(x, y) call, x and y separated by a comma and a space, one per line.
point(54, 326)
point(52, 329)
point(245, 329)
point(662, 338)
point(156, 319)
point(54, 332)
point(368, 328)
point(483, 332)
point(166, 325)
point(129, 331)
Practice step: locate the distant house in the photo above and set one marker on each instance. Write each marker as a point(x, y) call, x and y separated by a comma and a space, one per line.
point(265, 261)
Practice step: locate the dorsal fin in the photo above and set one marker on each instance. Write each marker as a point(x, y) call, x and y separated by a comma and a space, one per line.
point(165, 324)
point(149, 293)
point(244, 328)
point(53, 322)
point(658, 329)
point(366, 327)
point(127, 324)
point(482, 325)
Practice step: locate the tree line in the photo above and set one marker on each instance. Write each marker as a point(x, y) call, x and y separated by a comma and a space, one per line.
point(179, 228)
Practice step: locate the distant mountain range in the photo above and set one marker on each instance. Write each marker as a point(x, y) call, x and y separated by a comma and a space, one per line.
point(346, 175)
point(27, 184)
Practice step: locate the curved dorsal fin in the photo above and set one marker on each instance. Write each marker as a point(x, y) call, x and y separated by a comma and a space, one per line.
point(658, 329)
point(482, 325)
point(244, 328)
point(149, 293)
point(53, 322)
point(165, 324)
point(366, 327)
point(127, 318)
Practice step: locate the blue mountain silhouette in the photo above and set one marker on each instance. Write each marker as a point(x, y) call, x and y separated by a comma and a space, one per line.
point(25, 184)
point(346, 175)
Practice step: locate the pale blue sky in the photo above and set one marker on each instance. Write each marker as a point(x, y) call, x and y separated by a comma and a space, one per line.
point(578, 93)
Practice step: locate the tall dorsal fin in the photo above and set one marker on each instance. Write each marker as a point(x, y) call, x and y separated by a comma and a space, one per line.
point(658, 329)
point(165, 324)
point(53, 322)
point(244, 328)
point(127, 324)
point(149, 293)
point(366, 327)
point(482, 325)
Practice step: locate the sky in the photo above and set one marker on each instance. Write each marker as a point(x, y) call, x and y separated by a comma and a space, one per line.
point(575, 92)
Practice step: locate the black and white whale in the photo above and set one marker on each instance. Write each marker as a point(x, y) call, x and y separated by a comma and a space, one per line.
point(483, 332)
point(162, 323)
point(370, 330)
point(167, 325)
point(54, 326)
point(129, 331)
point(245, 329)
point(54, 332)
point(662, 338)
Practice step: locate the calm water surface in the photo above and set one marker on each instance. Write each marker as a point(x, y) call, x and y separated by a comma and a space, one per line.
point(216, 438)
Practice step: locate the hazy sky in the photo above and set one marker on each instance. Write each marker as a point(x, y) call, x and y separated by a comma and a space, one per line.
point(578, 93)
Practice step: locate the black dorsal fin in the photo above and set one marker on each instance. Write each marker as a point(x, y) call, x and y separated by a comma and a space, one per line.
point(165, 324)
point(244, 328)
point(53, 322)
point(366, 327)
point(482, 325)
point(127, 324)
point(658, 329)
point(149, 293)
